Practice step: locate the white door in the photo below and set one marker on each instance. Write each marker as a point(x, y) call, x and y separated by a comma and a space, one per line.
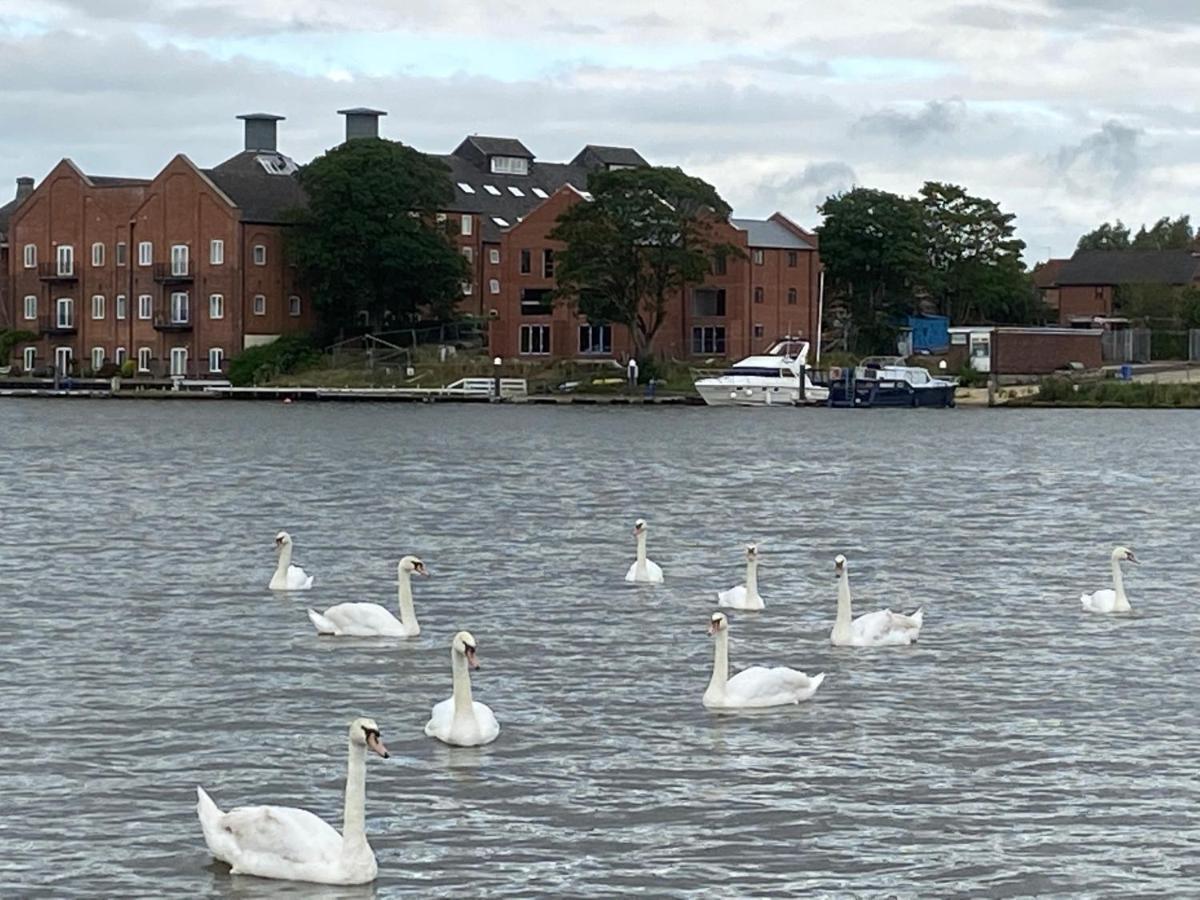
point(981, 352)
point(179, 308)
point(179, 357)
point(179, 259)
point(66, 260)
point(65, 312)
point(62, 359)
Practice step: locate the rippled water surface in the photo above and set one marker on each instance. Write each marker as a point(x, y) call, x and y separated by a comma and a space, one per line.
point(1023, 747)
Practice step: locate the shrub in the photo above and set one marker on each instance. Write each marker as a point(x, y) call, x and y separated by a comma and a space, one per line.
point(128, 369)
point(258, 365)
point(1056, 389)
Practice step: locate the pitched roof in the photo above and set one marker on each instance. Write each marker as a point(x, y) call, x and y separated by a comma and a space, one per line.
point(6, 212)
point(768, 234)
point(608, 156)
point(116, 181)
point(1101, 267)
point(262, 196)
point(1045, 275)
point(497, 146)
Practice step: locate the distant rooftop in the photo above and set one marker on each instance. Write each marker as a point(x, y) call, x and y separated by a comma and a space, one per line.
point(769, 234)
point(1103, 267)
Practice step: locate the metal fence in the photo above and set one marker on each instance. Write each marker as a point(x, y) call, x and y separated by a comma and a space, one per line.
point(1126, 345)
point(1194, 345)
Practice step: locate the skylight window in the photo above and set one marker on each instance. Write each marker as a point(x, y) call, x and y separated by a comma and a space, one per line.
point(277, 164)
point(503, 223)
point(465, 188)
point(540, 193)
point(516, 191)
point(492, 189)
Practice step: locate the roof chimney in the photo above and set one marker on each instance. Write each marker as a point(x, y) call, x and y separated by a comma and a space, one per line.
point(260, 130)
point(361, 122)
point(24, 187)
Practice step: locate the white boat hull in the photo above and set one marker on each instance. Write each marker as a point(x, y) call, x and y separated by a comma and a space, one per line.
point(715, 394)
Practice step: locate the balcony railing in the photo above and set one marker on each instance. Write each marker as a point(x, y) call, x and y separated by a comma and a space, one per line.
point(52, 323)
point(52, 271)
point(168, 319)
point(166, 273)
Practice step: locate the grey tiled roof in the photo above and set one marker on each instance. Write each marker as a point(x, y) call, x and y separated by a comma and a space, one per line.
point(1101, 267)
point(116, 181)
point(770, 235)
point(608, 156)
point(261, 196)
point(497, 146)
point(6, 212)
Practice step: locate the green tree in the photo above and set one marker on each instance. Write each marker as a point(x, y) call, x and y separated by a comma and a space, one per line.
point(646, 234)
point(9, 338)
point(873, 248)
point(368, 238)
point(975, 273)
point(1165, 234)
point(1106, 237)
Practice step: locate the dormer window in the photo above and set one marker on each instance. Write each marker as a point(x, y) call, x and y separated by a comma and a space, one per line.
point(510, 165)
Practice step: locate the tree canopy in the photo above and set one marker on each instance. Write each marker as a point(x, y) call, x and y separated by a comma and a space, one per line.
point(368, 239)
point(646, 233)
point(1165, 234)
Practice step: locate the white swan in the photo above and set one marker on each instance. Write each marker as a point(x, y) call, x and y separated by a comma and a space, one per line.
point(756, 686)
point(744, 596)
point(288, 577)
point(460, 720)
point(1112, 601)
point(643, 570)
point(882, 628)
point(293, 844)
point(371, 619)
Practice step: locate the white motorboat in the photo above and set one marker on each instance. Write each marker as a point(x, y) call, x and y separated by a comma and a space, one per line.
point(777, 377)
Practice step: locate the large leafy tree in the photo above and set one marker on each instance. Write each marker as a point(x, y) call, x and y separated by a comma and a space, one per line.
point(975, 271)
point(645, 234)
point(369, 239)
point(1108, 236)
point(873, 248)
point(1165, 234)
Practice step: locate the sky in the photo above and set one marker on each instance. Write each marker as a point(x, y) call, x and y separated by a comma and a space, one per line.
point(1067, 112)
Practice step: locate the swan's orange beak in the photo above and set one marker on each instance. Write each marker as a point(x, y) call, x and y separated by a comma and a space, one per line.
point(1133, 559)
point(472, 661)
point(375, 745)
point(421, 570)
point(713, 628)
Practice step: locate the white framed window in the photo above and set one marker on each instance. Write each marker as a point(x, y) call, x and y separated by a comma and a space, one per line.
point(510, 165)
point(121, 252)
point(216, 253)
point(535, 340)
point(145, 253)
point(65, 255)
point(29, 359)
point(260, 254)
point(494, 256)
point(64, 312)
point(216, 356)
point(145, 306)
point(260, 305)
point(179, 360)
point(97, 357)
point(466, 288)
point(465, 188)
point(62, 359)
point(293, 305)
point(31, 306)
point(122, 306)
point(758, 257)
point(494, 286)
point(468, 253)
point(30, 256)
point(144, 356)
point(179, 308)
point(547, 263)
point(97, 306)
point(120, 356)
point(708, 339)
point(216, 306)
point(467, 224)
point(97, 255)
point(179, 259)
point(595, 339)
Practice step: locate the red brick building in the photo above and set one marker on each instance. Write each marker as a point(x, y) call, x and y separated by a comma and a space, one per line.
point(1084, 287)
point(177, 273)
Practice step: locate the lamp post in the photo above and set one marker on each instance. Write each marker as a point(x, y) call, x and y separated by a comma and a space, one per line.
point(496, 363)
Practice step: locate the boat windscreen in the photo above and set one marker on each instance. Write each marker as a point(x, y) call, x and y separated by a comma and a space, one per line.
point(760, 372)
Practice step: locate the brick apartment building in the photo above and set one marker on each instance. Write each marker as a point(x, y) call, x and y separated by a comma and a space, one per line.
point(1084, 287)
point(182, 271)
point(177, 273)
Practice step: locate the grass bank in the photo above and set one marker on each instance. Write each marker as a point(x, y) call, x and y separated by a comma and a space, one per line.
point(1111, 393)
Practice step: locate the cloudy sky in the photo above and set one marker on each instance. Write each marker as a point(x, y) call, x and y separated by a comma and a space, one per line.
point(1068, 112)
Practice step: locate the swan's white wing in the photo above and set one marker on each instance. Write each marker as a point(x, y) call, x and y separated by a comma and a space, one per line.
point(869, 628)
point(734, 598)
point(298, 579)
point(631, 575)
point(363, 619)
point(653, 573)
point(277, 841)
point(1102, 601)
point(760, 686)
point(440, 719)
point(489, 728)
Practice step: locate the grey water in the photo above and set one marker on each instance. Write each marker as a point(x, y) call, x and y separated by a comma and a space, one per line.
point(1022, 748)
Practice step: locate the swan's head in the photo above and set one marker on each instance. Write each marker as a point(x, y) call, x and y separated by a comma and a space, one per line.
point(464, 643)
point(365, 733)
point(717, 623)
point(639, 527)
point(752, 553)
point(283, 539)
point(413, 564)
point(1124, 553)
point(839, 565)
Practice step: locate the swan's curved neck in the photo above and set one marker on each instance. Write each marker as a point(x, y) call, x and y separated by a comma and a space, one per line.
point(285, 560)
point(641, 547)
point(752, 577)
point(463, 702)
point(1119, 582)
point(844, 615)
point(408, 615)
point(720, 673)
point(354, 826)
